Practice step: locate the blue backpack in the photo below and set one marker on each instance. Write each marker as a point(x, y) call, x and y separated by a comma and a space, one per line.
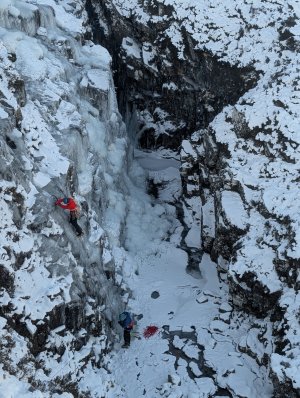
point(126, 321)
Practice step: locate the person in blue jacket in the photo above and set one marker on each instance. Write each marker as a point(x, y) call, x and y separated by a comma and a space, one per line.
point(127, 323)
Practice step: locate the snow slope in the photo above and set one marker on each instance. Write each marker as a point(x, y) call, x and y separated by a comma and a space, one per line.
point(196, 351)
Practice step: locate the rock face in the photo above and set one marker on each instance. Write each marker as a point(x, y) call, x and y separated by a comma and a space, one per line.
point(57, 103)
point(238, 230)
point(166, 97)
point(237, 139)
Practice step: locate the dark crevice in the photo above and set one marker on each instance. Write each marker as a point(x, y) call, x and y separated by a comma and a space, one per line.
point(194, 254)
point(204, 84)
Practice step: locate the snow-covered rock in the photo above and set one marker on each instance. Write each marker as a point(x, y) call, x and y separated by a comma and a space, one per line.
point(217, 82)
point(59, 125)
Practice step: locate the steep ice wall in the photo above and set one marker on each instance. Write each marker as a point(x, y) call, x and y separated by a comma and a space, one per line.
point(61, 134)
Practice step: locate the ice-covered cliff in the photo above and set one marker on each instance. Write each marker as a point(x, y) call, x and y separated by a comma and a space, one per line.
point(61, 135)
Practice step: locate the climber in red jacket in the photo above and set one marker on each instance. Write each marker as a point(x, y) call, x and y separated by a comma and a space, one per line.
point(71, 205)
point(67, 204)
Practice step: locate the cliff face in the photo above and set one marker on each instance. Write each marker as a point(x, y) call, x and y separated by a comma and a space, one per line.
point(224, 90)
point(172, 96)
point(60, 131)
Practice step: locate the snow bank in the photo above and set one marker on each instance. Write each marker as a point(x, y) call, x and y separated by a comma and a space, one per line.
point(234, 209)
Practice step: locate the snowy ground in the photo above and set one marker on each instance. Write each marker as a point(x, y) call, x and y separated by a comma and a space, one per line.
point(199, 333)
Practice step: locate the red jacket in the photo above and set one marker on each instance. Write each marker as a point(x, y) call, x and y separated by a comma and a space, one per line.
point(71, 205)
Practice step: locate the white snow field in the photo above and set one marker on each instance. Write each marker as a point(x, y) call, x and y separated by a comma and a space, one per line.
point(62, 134)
